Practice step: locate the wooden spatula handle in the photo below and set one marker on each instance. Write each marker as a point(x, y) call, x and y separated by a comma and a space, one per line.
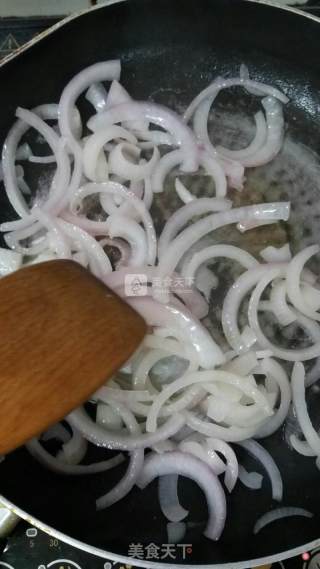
point(63, 333)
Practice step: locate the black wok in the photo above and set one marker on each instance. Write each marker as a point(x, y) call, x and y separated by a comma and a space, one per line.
point(170, 50)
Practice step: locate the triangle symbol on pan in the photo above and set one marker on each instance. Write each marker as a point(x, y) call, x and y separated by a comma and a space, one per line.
point(9, 44)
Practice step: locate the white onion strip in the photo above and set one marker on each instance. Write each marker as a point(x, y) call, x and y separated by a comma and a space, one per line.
point(181, 320)
point(286, 354)
point(302, 447)
point(184, 214)
point(52, 463)
point(221, 83)
point(74, 450)
point(202, 377)
point(293, 280)
point(210, 253)
point(255, 144)
point(130, 170)
point(232, 469)
point(275, 134)
point(181, 244)
point(103, 71)
point(279, 514)
point(94, 169)
point(126, 484)
point(117, 441)
point(272, 368)
point(115, 188)
point(252, 480)
point(266, 460)
point(169, 500)
point(158, 115)
point(300, 404)
point(165, 165)
point(191, 467)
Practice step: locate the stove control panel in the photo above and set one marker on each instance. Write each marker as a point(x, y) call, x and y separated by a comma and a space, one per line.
point(29, 548)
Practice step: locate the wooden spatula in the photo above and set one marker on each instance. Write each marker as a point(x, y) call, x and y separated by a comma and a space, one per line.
point(63, 333)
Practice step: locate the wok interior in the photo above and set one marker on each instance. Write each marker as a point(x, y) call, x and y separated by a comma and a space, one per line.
point(169, 52)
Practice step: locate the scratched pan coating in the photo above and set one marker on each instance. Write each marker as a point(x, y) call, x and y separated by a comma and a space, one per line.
point(169, 52)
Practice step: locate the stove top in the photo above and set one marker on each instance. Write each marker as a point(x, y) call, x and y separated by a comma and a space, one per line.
point(27, 547)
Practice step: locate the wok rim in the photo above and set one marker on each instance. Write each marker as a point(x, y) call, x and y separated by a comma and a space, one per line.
point(102, 553)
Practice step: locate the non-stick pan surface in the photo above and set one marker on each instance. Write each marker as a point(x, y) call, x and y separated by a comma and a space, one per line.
point(170, 50)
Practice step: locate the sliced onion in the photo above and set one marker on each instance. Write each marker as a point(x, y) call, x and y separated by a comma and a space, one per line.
point(272, 368)
point(300, 405)
point(57, 431)
point(190, 467)
point(42, 159)
point(107, 417)
point(74, 450)
point(255, 144)
point(242, 365)
point(181, 244)
point(221, 83)
point(157, 314)
point(185, 214)
point(158, 115)
point(103, 71)
point(279, 514)
point(206, 281)
point(215, 251)
point(129, 170)
point(56, 239)
point(94, 162)
point(213, 168)
point(266, 460)
point(126, 484)
point(204, 453)
point(233, 169)
point(151, 138)
point(228, 434)
point(183, 192)
point(118, 189)
point(293, 280)
point(24, 152)
point(169, 500)
point(97, 96)
point(290, 354)
point(46, 459)
point(311, 296)
point(176, 531)
point(118, 95)
point(276, 255)
point(117, 441)
point(252, 480)
point(302, 447)
point(231, 475)
point(39, 241)
point(131, 231)
point(165, 165)
point(62, 176)
point(279, 304)
point(204, 378)
point(10, 261)
point(98, 260)
point(275, 135)
point(9, 151)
